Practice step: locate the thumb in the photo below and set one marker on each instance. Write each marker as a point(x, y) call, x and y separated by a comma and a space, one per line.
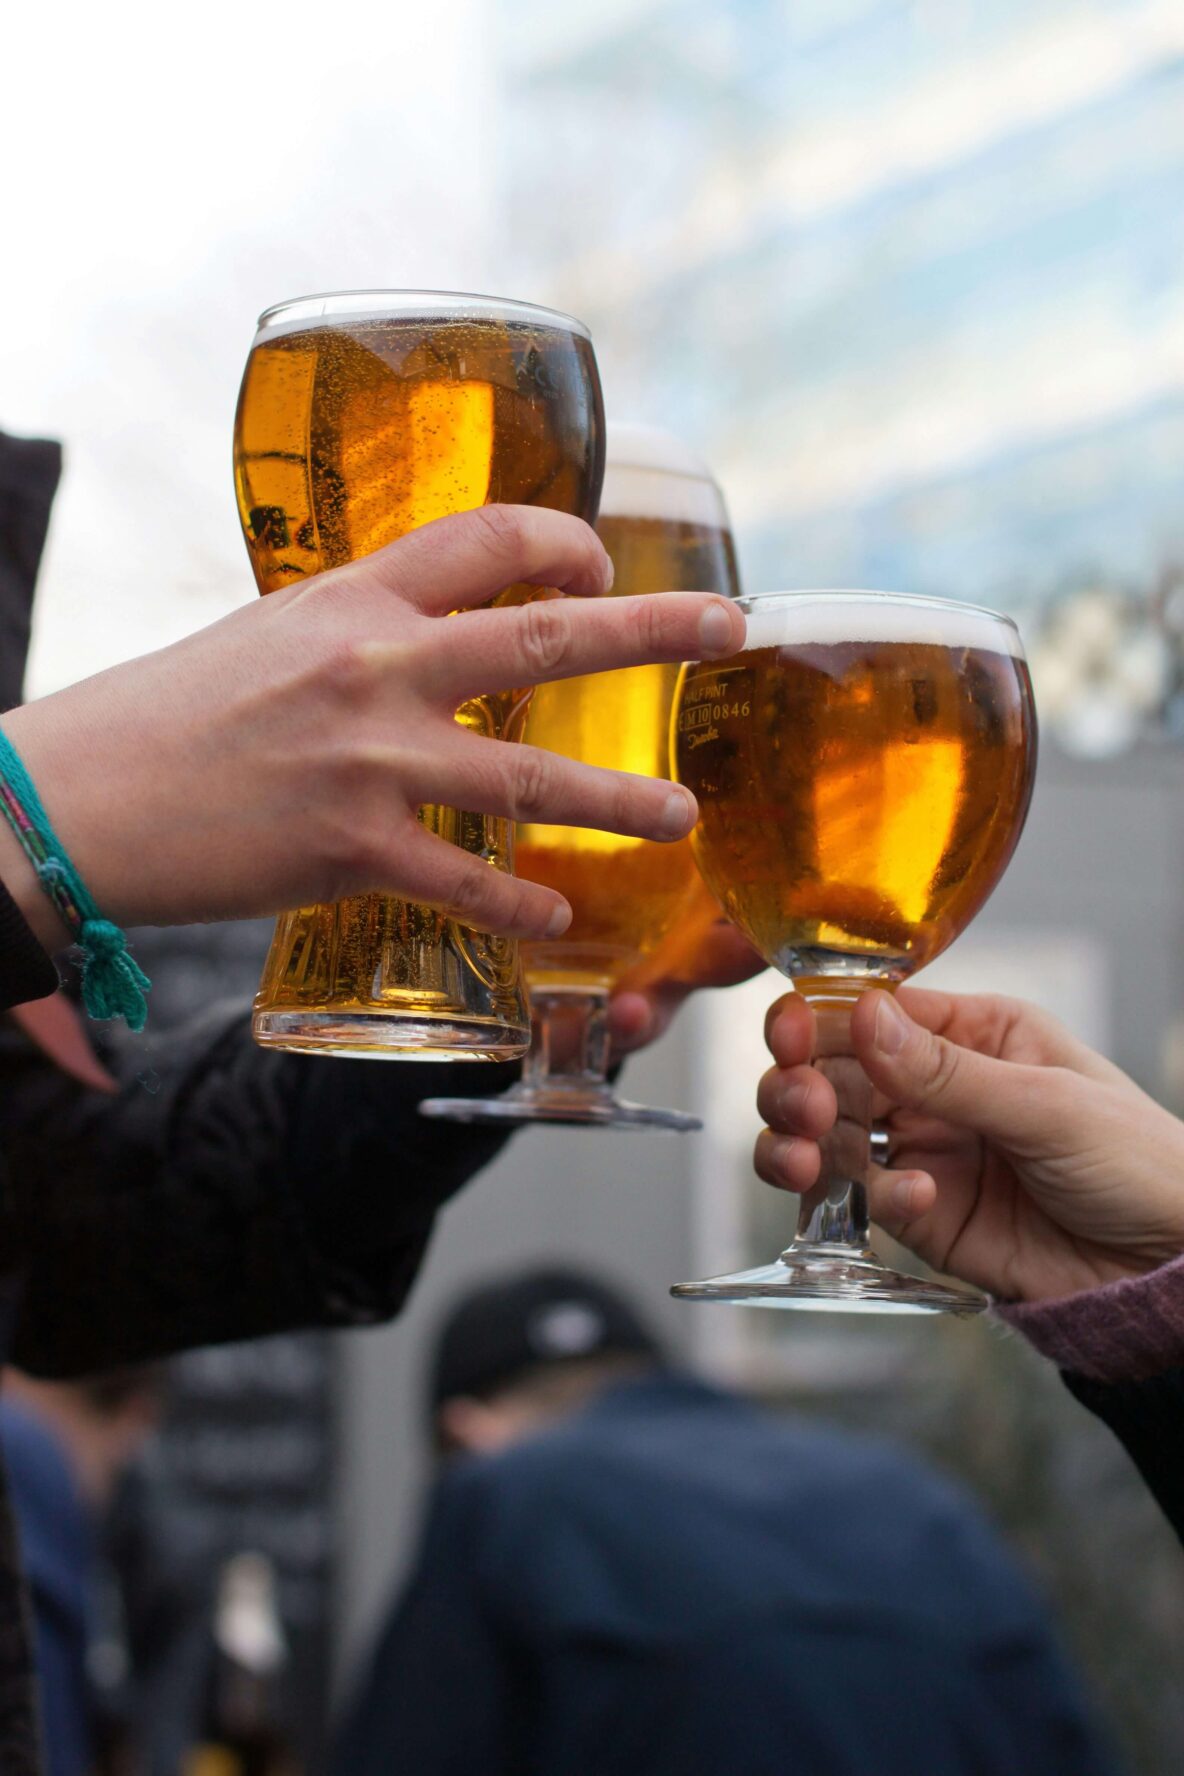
point(914, 1067)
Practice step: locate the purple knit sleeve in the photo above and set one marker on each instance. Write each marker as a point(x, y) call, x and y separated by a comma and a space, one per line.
point(1121, 1331)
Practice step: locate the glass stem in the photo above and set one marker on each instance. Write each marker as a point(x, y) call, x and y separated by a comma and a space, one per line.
point(834, 1217)
point(569, 1038)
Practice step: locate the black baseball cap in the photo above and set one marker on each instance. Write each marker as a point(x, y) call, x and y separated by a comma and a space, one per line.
point(553, 1315)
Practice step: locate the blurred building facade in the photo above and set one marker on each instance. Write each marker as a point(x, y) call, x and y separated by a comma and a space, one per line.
point(911, 272)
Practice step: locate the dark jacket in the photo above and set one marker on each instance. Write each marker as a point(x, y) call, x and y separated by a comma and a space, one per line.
point(227, 1191)
point(29, 473)
point(1147, 1417)
point(674, 1584)
point(59, 1552)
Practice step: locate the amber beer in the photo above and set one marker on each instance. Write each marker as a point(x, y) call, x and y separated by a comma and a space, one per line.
point(663, 522)
point(863, 767)
point(862, 773)
point(360, 418)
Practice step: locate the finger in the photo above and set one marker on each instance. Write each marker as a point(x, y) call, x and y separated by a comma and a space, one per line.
point(722, 957)
point(719, 956)
point(633, 1021)
point(1003, 1100)
point(797, 1101)
point(899, 1201)
point(790, 1030)
point(437, 873)
point(529, 784)
point(550, 638)
point(1008, 1029)
point(786, 1161)
point(716, 955)
point(469, 557)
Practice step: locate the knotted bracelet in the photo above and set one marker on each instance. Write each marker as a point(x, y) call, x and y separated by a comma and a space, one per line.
point(113, 983)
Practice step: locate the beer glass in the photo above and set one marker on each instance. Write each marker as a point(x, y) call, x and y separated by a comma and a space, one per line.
point(863, 769)
point(662, 520)
point(362, 416)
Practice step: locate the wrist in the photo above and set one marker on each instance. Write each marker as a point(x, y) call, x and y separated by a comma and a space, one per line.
point(56, 757)
point(1130, 1327)
point(113, 983)
point(1085, 1276)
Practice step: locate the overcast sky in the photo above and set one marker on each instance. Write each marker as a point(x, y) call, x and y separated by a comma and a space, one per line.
point(163, 183)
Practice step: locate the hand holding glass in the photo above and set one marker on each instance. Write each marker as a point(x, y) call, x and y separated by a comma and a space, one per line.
point(363, 416)
point(863, 770)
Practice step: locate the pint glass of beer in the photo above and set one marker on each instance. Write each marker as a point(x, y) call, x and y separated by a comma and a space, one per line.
point(361, 417)
point(863, 770)
point(663, 522)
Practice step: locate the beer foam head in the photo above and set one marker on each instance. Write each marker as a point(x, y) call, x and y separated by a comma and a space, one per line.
point(358, 307)
point(650, 473)
point(830, 619)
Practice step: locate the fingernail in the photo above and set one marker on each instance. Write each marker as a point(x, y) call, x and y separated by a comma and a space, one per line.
point(891, 1027)
point(559, 921)
point(902, 1195)
point(715, 631)
point(610, 573)
point(678, 816)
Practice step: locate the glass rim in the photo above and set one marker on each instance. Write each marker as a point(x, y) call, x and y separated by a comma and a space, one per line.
point(844, 594)
point(640, 449)
point(376, 304)
point(624, 465)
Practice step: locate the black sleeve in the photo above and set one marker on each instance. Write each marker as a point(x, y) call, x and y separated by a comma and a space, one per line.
point(226, 1192)
point(434, 1701)
point(26, 971)
point(30, 469)
point(1147, 1417)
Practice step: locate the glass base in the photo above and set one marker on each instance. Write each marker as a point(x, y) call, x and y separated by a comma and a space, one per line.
point(374, 1037)
point(582, 1106)
point(834, 1283)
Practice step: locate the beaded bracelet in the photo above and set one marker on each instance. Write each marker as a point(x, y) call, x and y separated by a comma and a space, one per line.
point(113, 983)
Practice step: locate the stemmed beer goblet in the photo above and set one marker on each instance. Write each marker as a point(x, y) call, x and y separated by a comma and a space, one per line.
point(663, 521)
point(863, 770)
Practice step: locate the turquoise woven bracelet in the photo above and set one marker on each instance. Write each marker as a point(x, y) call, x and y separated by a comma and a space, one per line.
point(113, 983)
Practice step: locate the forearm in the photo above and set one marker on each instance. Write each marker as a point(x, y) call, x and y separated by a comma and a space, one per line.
point(1121, 1331)
point(224, 1193)
point(1120, 1349)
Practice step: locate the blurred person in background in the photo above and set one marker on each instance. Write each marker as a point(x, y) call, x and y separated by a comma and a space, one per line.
point(625, 1570)
point(1026, 1164)
point(66, 1445)
point(192, 1188)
